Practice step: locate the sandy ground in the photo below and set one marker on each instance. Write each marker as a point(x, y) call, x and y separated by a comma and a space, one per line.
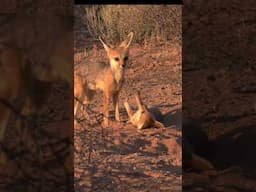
point(224, 103)
point(121, 158)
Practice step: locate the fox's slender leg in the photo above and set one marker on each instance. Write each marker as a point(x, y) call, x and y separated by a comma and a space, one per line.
point(76, 103)
point(128, 109)
point(105, 109)
point(116, 106)
point(139, 102)
point(75, 107)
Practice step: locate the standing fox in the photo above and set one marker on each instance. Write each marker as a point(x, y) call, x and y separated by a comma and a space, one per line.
point(108, 78)
point(22, 90)
point(21, 93)
point(144, 117)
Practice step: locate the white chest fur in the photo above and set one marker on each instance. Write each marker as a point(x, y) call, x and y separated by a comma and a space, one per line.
point(118, 76)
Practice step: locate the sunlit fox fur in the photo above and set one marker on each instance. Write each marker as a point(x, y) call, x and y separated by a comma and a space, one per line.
point(79, 93)
point(143, 117)
point(107, 77)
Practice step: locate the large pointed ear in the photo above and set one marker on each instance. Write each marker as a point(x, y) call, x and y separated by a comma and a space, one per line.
point(128, 109)
point(139, 102)
point(126, 43)
point(106, 47)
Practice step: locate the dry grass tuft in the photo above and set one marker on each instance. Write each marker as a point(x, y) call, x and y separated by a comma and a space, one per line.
point(150, 23)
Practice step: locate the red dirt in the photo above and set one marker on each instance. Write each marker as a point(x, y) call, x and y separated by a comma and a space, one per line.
point(121, 158)
point(220, 91)
point(224, 102)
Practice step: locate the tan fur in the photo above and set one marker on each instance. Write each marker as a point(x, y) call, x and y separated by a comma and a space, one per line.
point(200, 163)
point(107, 77)
point(59, 65)
point(142, 118)
point(21, 90)
point(12, 62)
point(80, 91)
point(19, 86)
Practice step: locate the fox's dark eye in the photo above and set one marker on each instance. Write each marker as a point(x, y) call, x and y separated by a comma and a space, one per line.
point(116, 59)
point(126, 58)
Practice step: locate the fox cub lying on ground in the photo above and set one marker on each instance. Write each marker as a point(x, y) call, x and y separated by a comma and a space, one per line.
point(144, 117)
